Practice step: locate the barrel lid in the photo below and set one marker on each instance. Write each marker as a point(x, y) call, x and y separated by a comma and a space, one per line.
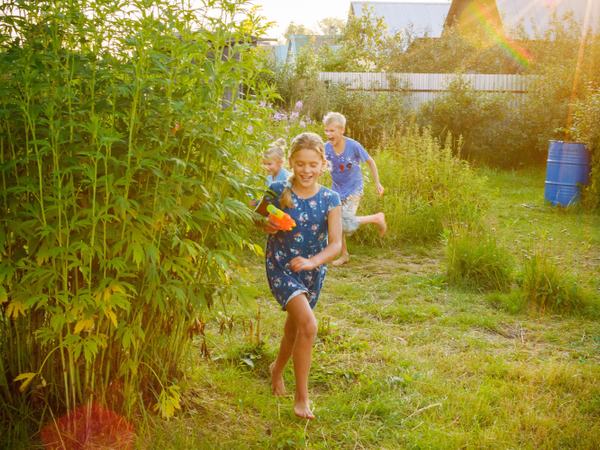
point(567, 142)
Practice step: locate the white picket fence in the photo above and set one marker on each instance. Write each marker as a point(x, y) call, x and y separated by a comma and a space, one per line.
point(422, 87)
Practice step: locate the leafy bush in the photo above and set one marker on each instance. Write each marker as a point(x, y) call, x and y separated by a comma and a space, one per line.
point(123, 153)
point(474, 260)
point(587, 118)
point(299, 81)
point(479, 119)
point(427, 189)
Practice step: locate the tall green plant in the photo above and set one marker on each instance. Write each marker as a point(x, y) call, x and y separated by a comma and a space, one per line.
point(475, 260)
point(125, 137)
point(427, 190)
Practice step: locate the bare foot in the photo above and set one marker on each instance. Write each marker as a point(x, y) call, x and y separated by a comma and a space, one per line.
point(277, 385)
point(381, 223)
point(302, 410)
point(341, 260)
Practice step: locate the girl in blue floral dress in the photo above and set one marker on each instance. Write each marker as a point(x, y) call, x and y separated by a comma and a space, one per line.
point(295, 259)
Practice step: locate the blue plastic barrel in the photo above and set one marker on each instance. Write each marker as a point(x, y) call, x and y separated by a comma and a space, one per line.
point(567, 168)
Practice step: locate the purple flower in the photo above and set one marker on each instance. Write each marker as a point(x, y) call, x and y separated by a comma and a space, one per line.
point(279, 116)
point(250, 129)
point(302, 123)
point(298, 106)
point(294, 115)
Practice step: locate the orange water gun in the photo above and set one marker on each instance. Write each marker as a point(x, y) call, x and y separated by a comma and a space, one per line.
point(280, 219)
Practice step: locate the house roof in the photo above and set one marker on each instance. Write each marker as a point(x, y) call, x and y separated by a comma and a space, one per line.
point(297, 41)
point(535, 15)
point(420, 18)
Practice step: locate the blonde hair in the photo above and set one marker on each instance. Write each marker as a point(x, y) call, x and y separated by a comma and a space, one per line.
point(334, 117)
point(304, 141)
point(276, 150)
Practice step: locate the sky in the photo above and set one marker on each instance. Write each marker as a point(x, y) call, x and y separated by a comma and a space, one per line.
point(303, 12)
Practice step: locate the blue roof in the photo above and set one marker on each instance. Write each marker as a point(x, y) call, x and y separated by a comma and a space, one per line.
point(534, 16)
point(417, 18)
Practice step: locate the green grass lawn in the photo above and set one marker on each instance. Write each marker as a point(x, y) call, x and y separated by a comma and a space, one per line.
point(404, 361)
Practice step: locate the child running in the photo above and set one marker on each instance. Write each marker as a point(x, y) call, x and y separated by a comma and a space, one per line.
point(273, 159)
point(295, 260)
point(345, 156)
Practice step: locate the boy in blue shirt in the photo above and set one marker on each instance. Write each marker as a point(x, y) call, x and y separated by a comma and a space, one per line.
point(345, 156)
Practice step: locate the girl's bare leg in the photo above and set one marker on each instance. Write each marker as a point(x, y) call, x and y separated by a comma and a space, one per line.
point(285, 351)
point(306, 330)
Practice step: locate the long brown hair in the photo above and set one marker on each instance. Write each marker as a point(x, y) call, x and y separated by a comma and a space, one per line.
point(304, 141)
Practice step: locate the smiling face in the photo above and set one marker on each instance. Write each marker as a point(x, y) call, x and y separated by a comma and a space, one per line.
point(308, 166)
point(272, 166)
point(334, 132)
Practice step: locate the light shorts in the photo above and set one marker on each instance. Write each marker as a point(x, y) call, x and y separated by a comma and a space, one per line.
point(349, 208)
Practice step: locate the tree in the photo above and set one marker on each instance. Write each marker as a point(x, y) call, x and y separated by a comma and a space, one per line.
point(332, 26)
point(294, 28)
point(366, 44)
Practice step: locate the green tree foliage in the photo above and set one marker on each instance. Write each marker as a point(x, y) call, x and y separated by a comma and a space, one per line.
point(124, 142)
point(332, 26)
point(294, 28)
point(587, 130)
point(451, 53)
point(366, 45)
point(475, 119)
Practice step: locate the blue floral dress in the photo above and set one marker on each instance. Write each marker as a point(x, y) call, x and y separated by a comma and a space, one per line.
point(308, 238)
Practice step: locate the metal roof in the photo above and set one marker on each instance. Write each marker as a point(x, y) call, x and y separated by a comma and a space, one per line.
point(420, 19)
point(535, 15)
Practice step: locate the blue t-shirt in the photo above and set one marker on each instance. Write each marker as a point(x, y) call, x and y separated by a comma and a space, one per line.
point(345, 168)
point(283, 175)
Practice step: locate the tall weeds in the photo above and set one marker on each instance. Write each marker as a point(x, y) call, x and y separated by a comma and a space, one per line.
point(124, 142)
point(550, 288)
point(475, 260)
point(427, 189)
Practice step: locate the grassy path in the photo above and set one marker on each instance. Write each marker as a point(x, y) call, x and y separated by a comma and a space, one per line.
point(404, 361)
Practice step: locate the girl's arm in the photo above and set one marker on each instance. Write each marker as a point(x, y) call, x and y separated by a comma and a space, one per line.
point(375, 173)
point(329, 253)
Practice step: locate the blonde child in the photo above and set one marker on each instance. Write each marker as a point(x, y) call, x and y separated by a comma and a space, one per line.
point(273, 159)
point(345, 156)
point(295, 260)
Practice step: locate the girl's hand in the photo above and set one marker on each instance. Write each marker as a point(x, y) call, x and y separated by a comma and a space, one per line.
point(379, 188)
point(269, 227)
point(299, 263)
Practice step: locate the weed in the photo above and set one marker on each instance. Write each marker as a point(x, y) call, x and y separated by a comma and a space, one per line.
point(474, 260)
point(427, 189)
point(547, 287)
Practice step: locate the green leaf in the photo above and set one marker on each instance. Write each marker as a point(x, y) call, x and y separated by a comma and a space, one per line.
point(138, 253)
point(26, 378)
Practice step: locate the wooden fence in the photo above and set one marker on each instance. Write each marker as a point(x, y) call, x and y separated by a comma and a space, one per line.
point(422, 87)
